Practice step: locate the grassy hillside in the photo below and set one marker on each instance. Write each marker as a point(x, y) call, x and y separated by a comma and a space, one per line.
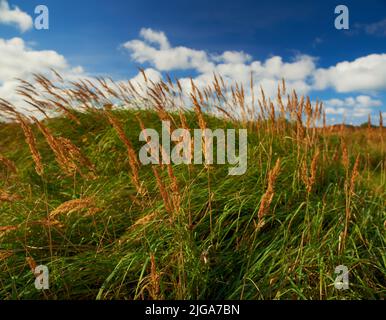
point(311, 199)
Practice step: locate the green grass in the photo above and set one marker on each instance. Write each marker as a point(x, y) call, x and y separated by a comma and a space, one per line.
point(212, 249)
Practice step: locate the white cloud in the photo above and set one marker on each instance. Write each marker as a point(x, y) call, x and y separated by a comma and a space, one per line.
point(233, 57)
point(358, 106)
point(14, 17)
point(20, 61)
point(363, 74)
point(165, 58)
point(157, 37)
point(366, 74)
point(233, 66)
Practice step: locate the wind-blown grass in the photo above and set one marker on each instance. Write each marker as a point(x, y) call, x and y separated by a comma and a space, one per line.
point(108, 228)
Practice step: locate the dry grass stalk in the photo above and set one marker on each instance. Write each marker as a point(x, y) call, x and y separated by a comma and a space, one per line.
point(69, 167)
point(335, 156)
point(67, 155)
point(267, 197)
point(354, 175)
point(202, 124)
point(7, 197)
point(8, 228)
point(283, 86)
point(5, 254)
point(144, 220)
point(349, 190)
point(164, 194)
point(31, 141)
point(169, 202)
point(324, 121)
point(184, 124)
point(176, 197)
point(309, 179)
point(67, 112)
point(75, 154)
point(345, 159)
point(381, 127)
point(154, 289)
point(75, 205)
point(9, 164)
point(5, 229)
point(133, 160)
point(32, 264)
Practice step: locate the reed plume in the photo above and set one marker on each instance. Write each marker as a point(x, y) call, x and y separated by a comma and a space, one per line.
point(349, 191)
point(267, 197)
point(133, 160)
point(31, 141)
point(75, 205)
point(309, 176)
point(9, 164)
point(7, 197)
point(154, 288)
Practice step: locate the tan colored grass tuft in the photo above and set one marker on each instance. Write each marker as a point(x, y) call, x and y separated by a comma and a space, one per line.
point(144, 220)
point(349, 190)
point(9, 164)
point(5, 254)
point(32, 264)
point(154, 289)
point(354, 175)
point(60, 156)
point(309, 176)
point(67, 155)
point(6, 229)
point(75, 205)
point(164, 194)
point(345, 159)
point(31, 141)
point(267, 197)
point(7, 197)
point(133, 160)
point(75, 154)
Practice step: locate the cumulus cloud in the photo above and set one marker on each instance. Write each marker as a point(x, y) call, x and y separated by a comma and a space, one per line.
point(157, 37)
point(14, 17)
point(366, 73)
point(165, 58)
point(233, 57)
point(363, 74)
point(358, 106)
point(154, 48)
point(20, 61)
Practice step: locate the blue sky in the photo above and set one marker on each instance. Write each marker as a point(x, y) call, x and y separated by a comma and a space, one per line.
point(93, 33)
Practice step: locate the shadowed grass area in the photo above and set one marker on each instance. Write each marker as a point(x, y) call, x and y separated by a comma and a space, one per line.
point(125, 245)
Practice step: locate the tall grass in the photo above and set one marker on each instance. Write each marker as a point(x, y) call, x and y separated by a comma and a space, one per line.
point(74, 197)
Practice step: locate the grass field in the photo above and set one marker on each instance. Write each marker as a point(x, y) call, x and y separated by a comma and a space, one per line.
point(74, 197)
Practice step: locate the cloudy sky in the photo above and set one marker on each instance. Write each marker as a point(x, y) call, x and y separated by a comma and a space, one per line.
point(271, 39)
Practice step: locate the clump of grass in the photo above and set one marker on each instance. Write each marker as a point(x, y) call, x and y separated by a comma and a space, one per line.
point(186, 231)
